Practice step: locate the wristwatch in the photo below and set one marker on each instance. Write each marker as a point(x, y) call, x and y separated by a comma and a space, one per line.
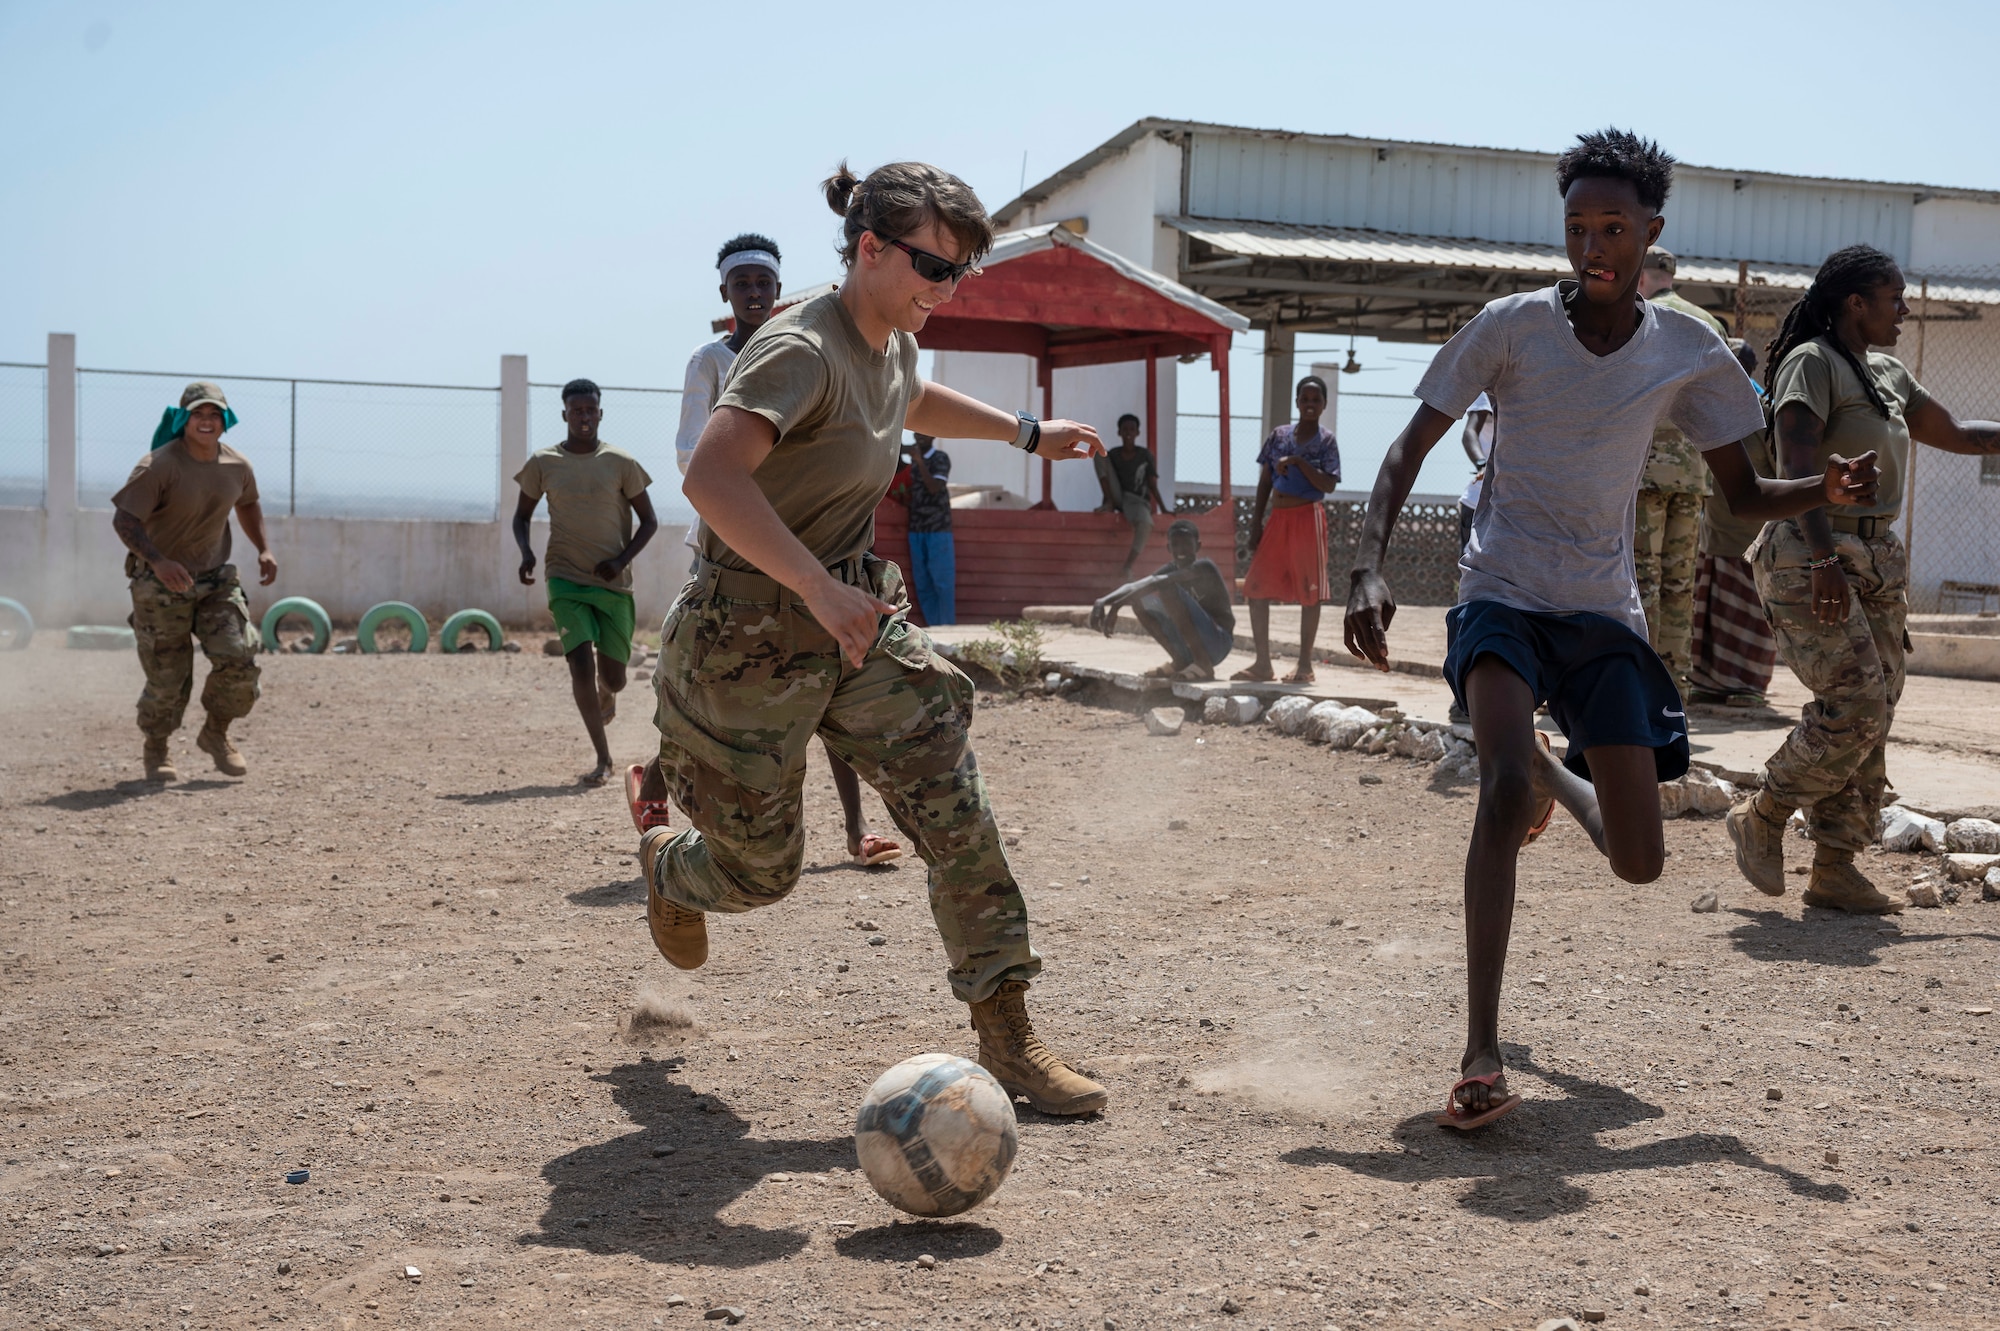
point(1030, 433)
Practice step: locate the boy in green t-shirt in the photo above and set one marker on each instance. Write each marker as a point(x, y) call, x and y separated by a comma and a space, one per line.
point(593, 492)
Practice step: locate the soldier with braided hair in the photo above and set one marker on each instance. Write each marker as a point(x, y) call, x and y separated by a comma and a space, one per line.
point(1830, 394)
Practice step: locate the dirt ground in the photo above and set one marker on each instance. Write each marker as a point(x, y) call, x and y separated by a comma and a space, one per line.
point(403, 952)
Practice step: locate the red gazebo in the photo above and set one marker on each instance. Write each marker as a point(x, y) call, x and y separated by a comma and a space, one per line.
point(1052, 295)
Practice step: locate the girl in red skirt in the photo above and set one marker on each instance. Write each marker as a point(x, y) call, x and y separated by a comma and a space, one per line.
point(1298, 464)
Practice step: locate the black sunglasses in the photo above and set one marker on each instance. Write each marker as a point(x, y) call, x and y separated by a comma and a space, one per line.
point(933, 267)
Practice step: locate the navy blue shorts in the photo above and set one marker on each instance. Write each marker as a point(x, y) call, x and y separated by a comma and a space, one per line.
point(1603, 683)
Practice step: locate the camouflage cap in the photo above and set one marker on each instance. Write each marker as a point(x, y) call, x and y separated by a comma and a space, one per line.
point(202, 393)
point(1661, 259)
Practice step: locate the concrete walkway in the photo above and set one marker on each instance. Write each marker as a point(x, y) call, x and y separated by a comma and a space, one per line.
point(1944, 753)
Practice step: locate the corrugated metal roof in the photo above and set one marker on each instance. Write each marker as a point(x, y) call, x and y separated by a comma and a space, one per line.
point(1043, 189)
point(1278, 241)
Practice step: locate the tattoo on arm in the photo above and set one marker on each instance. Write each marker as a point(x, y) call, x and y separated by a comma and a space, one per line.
point(133, 532)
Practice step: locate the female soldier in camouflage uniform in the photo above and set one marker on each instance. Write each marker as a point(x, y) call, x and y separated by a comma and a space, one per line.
point(1831, 394)
point(792, 628)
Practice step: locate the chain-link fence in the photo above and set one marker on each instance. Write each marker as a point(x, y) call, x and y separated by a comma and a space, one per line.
point(321, 448)
point(1422, 565)
point(24, 424)
point(641, 421)
point(1950, 516)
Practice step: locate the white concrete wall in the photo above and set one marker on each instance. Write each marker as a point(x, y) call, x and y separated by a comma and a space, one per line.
point(1122, 200)
point(70, 569)
point(1949, 235)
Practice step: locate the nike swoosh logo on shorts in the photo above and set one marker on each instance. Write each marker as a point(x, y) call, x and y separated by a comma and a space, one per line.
point(1668, 711)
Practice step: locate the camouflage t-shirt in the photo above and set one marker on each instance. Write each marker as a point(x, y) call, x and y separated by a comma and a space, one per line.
point(1673, 465)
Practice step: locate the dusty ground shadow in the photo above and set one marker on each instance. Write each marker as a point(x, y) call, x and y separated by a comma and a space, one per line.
point(1828, 938)
point(1563, 1134)
point(617, 1196)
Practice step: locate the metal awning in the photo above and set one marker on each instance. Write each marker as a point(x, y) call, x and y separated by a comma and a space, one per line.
point(1423, 288)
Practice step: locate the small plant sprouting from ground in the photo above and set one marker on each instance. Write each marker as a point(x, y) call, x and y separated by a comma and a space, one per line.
point(1013, 656)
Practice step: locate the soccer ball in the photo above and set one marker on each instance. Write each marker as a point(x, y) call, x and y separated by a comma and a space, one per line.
point(936, 1135)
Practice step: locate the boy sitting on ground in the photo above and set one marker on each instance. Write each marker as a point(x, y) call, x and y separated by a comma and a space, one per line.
point(1184, 605)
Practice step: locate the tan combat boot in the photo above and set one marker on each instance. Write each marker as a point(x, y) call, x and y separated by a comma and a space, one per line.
point(680, 934)
point(1835, 884)
point(159, 767)
point(214, 741)
point(1757, 826)
point(1017, 1058)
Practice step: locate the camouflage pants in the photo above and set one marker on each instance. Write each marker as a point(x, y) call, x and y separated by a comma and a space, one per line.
point(746, 678)
point(1833, 764)
point(166, 624)
point(1665, 529)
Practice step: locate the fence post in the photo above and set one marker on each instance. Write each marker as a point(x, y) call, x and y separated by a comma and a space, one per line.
point(59, 465)
point(292, 505)
point(1280, 356)
point(1910, 471)
point(513, 457)
point(59, 548)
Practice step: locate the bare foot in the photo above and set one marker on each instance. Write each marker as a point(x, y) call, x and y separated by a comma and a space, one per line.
point(597, 775)
point(1477, 1097)
point(1303, 675)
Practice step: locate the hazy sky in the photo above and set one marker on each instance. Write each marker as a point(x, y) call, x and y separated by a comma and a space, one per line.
point(406, 191)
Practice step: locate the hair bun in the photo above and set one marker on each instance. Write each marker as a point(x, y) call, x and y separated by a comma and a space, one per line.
point(840, 187)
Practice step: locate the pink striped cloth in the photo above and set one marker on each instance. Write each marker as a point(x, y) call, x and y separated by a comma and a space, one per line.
point(1734, 651)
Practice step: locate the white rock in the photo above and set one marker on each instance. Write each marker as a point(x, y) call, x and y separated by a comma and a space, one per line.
point(1925, 894)
point(1991, 890)
point(1673, 799)
point(1906, 829)
point(1707, 903)
point(1337, 725)
point(1215, 710)
point(1969, 868)
point(1243, 708)
point(1376, 740)
point(1429, 747)
point(1974, 836)
point(1460, 761)
point(1288, 714)
point(1164, 721)
point(1708, 794)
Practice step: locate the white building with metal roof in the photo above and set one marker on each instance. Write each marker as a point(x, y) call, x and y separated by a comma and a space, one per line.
point(1405, 241)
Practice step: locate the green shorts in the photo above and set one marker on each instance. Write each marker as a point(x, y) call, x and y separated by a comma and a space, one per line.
point(593, 614)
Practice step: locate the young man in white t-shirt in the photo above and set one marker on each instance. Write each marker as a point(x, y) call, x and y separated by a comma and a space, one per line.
point(1549, 610)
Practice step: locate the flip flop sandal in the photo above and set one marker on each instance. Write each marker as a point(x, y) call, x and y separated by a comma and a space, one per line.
point(646, 814)
point(1301, 677)
point(1457, 1117)
point(1548, 813)
point(877, 850)
point(1159, 672)
point(1250, 675)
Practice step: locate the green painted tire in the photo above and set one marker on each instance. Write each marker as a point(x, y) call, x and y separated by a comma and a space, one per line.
point(470, 619)
point(17, 626)
point(309, 610)
point(420, 632)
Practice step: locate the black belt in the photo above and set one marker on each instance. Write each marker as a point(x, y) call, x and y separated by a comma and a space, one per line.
point(757, 588)
point(1866, 528)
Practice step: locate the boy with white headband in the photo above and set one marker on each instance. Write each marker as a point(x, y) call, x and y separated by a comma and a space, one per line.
point(748, 267)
